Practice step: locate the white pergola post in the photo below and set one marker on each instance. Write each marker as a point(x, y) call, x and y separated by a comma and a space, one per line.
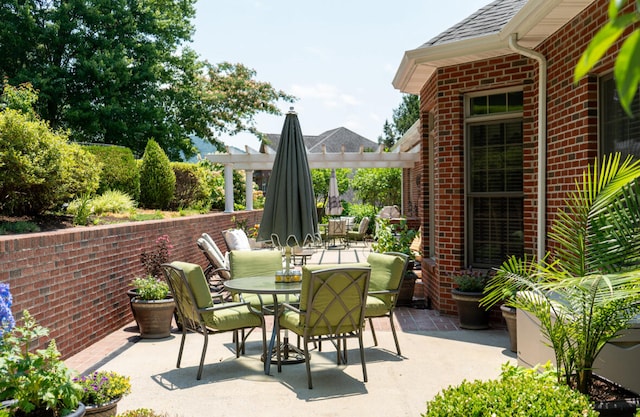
point(228, 188)
point(249, 188)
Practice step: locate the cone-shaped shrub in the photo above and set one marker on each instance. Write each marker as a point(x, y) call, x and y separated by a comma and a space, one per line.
point(157, 179)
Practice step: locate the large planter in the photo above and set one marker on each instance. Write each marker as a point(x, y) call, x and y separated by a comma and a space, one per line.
point(470, 314)
point(109, 409)
point(153, 317)
point(405, 296)
point(78, 412)
point(624, 406)
point(510, 317)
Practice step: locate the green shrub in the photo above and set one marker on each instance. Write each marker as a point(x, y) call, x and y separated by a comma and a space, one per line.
point(518, 392)
point(112, 202)
point(119, 169)
point(216, 184)
point(193, 189)
point(80, 172)
point(362, 210)
point(157, 179)
point(18, 227)
point(34, 166)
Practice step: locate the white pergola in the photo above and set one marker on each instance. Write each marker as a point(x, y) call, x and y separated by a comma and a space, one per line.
point(252, 160)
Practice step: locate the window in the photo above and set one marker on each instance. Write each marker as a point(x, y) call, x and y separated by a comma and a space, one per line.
point(494, 161)
point(618, 131)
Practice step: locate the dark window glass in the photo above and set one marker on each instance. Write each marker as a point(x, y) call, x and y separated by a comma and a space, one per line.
point(495, 157)
point(618, 131)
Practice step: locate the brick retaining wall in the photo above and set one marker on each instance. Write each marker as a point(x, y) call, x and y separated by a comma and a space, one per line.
point(74, 281)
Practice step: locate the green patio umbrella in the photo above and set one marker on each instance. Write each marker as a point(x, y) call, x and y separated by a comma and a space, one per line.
point(290, 217)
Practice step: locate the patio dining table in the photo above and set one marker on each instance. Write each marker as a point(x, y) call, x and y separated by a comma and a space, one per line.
point(267, 285)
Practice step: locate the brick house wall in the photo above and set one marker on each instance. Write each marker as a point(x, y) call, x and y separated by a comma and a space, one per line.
point(74, 281)
point(571, 143)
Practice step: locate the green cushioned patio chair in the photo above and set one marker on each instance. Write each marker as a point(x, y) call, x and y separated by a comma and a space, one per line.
point(331, 308)
point(387, 272)
point(198, 313)
point(359, 234)
point(245, 264)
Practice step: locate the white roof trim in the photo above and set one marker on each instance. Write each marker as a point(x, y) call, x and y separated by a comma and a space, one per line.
point(534, 23)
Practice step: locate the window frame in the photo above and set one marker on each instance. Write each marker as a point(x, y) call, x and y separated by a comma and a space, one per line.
point(469, 196)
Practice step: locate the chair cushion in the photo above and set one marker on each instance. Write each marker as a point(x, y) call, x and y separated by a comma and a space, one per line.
point(231, 318)
point(386, 274)
point(386, 271)
point(306, 277)
point(236, 239)
point(197, 282)
point(245, 264)
point(324, 298)
point(375, 307)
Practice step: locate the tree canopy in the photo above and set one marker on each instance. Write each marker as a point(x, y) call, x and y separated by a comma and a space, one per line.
point(321, 177)
point(121, 72)
point(404, 116)
point(378, 186)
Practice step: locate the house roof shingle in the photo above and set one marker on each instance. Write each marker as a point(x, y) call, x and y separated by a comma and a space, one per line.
point(333, 140)
point(488, 20)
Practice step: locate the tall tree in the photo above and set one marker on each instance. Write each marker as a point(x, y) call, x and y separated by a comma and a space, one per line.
point(404, 116)
point(121, 72)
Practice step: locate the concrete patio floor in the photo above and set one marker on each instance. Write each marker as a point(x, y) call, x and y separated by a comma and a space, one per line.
point(435, 354)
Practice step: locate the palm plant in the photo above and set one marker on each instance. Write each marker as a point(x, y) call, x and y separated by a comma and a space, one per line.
point(587, 289)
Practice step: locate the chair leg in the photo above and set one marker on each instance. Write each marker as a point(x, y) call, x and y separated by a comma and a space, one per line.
point(393, 330)
point(239, 345)
point(204, 352)
point(278, 358)
point(364, 364)
point(373, 332)
point(307, 360)
point(184, 336)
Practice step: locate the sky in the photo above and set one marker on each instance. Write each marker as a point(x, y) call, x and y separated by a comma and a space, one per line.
point(338, 58)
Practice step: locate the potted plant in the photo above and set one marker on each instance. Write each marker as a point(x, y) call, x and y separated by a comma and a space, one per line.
point(34, 383)
point(494, 293)
point(150, 295)
point(469, 289)
point(101, 392)
point(587, 290)
point(153, 307)
point(398, 238)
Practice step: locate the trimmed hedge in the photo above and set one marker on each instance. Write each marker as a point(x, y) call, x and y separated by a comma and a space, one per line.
point(39, 169)
point(518, 393)
point(194, 185)
point(119, 170)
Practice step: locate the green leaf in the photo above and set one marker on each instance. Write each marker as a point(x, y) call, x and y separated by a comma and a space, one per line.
point(627, 70)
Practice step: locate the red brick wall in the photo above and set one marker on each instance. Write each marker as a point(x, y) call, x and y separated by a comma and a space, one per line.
point(75, 281)
point(571, 130)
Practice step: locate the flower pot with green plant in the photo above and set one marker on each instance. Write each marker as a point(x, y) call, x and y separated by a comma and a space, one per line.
point(470, 284)
point(587, 289)
point(33, 382)
point(153, 307)
point(101, 392)
point(397, 238)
